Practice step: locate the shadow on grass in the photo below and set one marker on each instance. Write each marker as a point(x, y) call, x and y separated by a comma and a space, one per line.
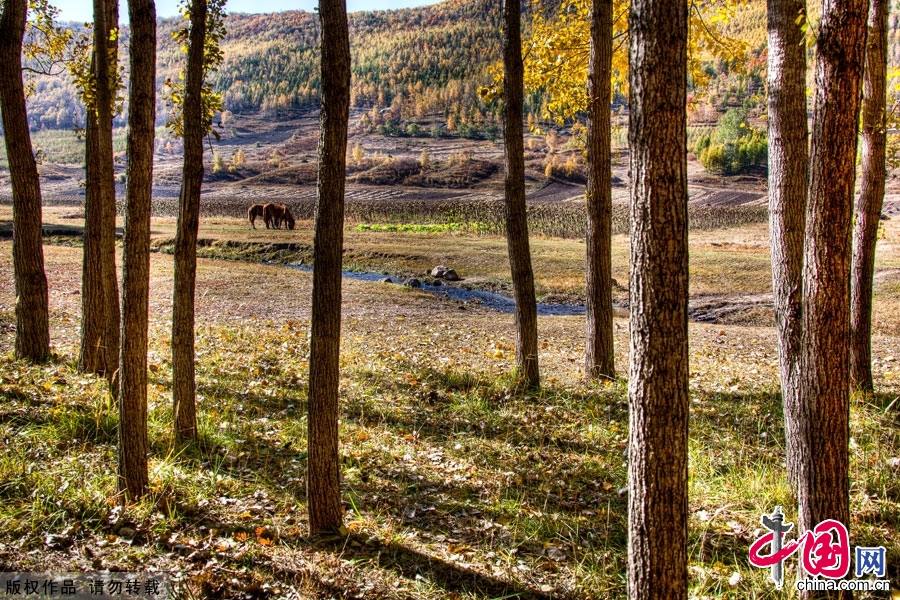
point(410, 563)
point(438, 414)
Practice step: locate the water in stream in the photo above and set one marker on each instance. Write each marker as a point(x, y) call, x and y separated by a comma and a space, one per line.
point(486, 299)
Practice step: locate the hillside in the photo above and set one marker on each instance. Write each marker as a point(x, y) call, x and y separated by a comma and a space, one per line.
point(413, 61)
point(406, 64)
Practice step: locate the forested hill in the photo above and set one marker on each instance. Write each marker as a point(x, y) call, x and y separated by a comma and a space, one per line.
point(418, 60)
point(413, 62)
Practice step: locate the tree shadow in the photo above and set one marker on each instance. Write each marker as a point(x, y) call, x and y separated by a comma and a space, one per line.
point(437, 420)
point(411, 563)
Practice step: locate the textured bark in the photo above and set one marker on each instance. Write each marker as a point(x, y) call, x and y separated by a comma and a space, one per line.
point(822, 430)
point(323, 478)
point(516, 219)
point(184, 389)
point(132, 481)
point(92, 356)
point(32, 319)
point(99, 285)
point(788, 165)
point(107, 97)
point(599, 357)
point(658, 383)
point(871, 197)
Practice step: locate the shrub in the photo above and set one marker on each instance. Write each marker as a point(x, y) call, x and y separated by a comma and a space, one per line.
point(734, 147)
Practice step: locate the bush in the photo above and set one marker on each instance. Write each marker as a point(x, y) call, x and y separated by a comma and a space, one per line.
point(714, 159)
point(734, 147)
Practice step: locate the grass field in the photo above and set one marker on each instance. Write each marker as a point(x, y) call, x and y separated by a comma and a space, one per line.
point(456, 483)
point(61, 146)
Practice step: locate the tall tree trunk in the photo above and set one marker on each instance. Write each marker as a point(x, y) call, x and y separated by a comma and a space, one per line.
point(136, 267)
point(92, 355)
point(516, 219)
point(183, 377)
point(822, 431)
point(871, 196)
point(323, 477)
point(658, 384)
point(599, 356)
point(32, 312)
point(108, 84)
point(99, 288)
point(788, 164)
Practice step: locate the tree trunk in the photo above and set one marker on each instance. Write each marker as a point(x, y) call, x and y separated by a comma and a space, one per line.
point(516, 219)
point(92, 355)
point(108, 84)
point(871, 196)
point(822, 431)
point(788, 165)
point(599, 357)
point(136, 268)
point(183, 377)
point(100, 293)
point(658, 384)
point(323, 480)
point(32, 312)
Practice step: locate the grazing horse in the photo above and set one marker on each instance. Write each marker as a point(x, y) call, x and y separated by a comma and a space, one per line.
point(276, 213)
point(257, 210)
point(288, 219)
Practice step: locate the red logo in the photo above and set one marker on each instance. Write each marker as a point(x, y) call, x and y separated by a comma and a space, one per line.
point(825, 548)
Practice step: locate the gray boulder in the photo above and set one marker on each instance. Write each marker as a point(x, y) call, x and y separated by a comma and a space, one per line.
point(444, 272)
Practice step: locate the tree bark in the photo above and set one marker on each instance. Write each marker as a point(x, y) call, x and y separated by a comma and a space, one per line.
point(658, 384)
point(822, 430)
point(99, 289)
point(108, 83)
point(516, 218)
point(599, 356)
point(323, 477)
point(132, 480)
point(788, 166)
point(32, 310)
point(92, 356)
point(184, 392)
point(871, 197)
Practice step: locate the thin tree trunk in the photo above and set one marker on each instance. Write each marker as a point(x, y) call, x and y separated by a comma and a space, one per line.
point(788, 165)
point(323, 477)
point(871, 197)
point(99, 289)
point(599, 356)
point(108, 86)
point(32, 312)
point(92, 355)
point(183, 377)
point(822, 431)
point(132, 481)
point(516, 219)
point(658, 384)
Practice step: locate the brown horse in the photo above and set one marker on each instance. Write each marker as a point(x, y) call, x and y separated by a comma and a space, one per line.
point(276, 214)
point(257, 210)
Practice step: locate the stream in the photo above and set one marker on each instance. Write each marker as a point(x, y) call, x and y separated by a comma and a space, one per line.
point(704, 309)
point(486, 299)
